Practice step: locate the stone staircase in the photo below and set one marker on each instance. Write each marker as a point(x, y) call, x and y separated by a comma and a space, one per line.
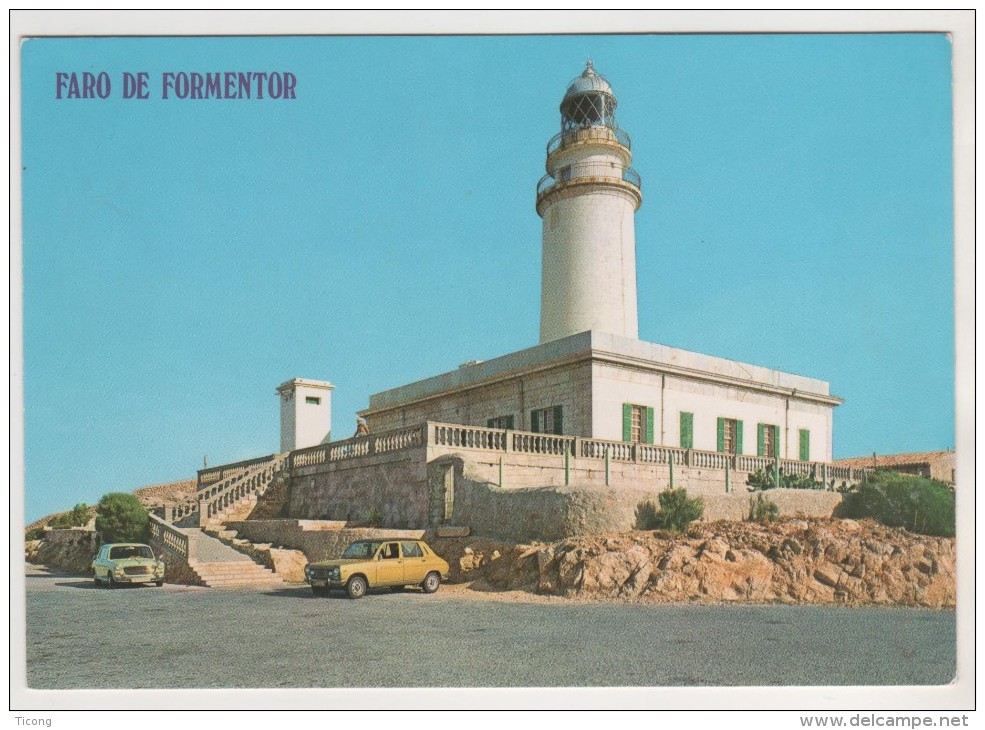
point(201, 559)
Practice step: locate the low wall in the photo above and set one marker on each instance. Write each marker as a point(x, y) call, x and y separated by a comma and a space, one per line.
point(317, 539)
point(555, 512)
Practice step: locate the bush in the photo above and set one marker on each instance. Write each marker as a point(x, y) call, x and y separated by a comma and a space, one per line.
point(763, 510)
point(917, 503)
point(121, 517)
point(77, 517)
point(646, 515)
point(676, 512)
point(763, 479)
point(36, 534)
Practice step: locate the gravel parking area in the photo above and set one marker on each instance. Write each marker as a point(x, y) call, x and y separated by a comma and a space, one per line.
point(80, 636)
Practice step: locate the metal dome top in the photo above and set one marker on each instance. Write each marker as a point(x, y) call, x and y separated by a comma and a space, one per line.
point(589, 102)
point(588, 81)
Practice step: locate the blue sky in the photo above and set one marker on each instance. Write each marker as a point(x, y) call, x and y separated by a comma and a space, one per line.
point(182, 258)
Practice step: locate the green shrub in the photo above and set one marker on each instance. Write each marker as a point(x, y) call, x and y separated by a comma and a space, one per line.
point(78, 516)
point(917, 503)
point(763, 479)
point(676, 512)
point(763, 510)
point(121, 517)
point(646, 515)
point(36, 534)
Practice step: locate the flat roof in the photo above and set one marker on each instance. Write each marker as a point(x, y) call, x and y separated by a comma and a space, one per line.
point(604, 347)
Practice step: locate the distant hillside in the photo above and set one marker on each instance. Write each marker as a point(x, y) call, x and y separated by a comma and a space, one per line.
point(151, 496)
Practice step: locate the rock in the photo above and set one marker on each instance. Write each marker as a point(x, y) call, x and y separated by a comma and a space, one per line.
point(800, 561)
point(827, 574)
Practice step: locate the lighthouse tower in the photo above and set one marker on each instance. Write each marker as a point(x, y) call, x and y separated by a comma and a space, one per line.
point(588, 200)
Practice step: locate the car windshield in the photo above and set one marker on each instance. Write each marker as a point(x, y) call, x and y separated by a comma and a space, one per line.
point(361, 549)
point(130, 551)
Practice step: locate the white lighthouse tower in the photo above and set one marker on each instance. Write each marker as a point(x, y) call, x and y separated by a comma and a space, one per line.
point(588, 200)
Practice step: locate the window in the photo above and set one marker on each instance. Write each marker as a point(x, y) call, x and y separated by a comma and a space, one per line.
point(411, 550)
point(389, 551)
point(687, 430)
point(637, 423)
point(312, 401)
point(767, 440)
point(729, 436)
point(805, 445)
point(546, 420)
point(500, 422)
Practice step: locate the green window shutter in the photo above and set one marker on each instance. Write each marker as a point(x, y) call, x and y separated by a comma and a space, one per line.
point(558, 427)
point(721, 434)
point(738, 437)
point(687, 430)
point(805, 445)
point(649, 426)
point(535, 421)
point(776, 442)
point(509, 422)
point(627, 421)
point(760, 439)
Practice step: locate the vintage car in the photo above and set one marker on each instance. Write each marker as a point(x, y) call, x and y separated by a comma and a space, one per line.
point(124, 563)
point(374, 563)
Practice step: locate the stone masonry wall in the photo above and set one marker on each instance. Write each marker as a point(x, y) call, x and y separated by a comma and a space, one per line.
point(409, 489)
point(389, 490)
point(317, 539)
point(555, 512)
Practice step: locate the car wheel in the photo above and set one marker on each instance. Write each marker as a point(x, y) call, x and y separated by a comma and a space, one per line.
point(95, 579)
point(112, 583)
point(431, 582)
point(356, 587)
point(159, 583)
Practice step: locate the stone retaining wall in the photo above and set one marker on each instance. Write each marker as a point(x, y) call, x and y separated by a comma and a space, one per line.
point(409, 489)
point(317, 539)
point(388, 489)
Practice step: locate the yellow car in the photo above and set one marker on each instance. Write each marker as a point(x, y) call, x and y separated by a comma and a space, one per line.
point(119, 563)
point(374, 563)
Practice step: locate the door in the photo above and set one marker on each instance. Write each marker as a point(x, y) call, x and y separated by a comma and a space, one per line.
point(389, 565)
point(415, 562)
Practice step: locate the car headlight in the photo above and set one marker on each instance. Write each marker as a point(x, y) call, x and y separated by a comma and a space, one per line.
point(333, 574)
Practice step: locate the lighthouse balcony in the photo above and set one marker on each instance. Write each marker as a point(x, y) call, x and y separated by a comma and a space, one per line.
point(588, 135)
point(587, 173)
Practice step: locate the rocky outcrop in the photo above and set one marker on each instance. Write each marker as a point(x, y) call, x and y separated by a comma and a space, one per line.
point(796, 561)
point(70, 550)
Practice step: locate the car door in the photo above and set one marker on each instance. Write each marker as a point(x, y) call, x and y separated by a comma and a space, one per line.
point(415, 562)
point(389, 565)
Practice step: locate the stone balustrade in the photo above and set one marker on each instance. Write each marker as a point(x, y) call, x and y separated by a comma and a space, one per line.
point(215, 474)
point(457, 436)
point(253, 480)
point(248, 478)
point(169, 536)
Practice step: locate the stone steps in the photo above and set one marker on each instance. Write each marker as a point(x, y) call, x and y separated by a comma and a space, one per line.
point(237, 575)
point(219, 566)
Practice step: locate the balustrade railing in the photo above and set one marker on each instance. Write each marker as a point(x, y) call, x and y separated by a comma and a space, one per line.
point(588, 134)
point(218, 473)
point(252, 481)
point(458, 436)
point(469, 437)
point(169, 536)
point(591, 171)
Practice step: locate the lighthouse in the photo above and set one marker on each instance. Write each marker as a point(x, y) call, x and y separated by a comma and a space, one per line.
point(588, 200)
